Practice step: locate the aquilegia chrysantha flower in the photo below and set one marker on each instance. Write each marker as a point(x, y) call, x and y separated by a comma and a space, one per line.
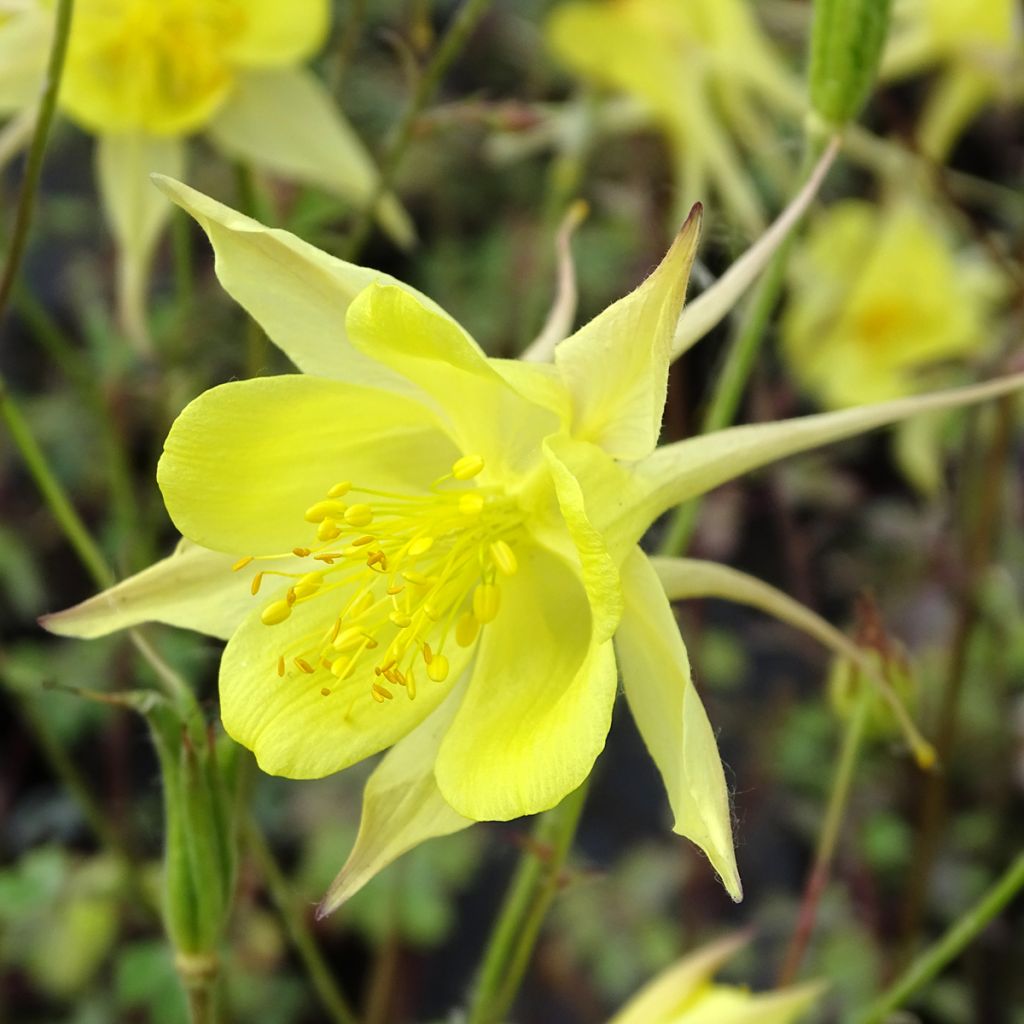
point(705, 72)
point(143, 76)
point(413, 546)
point(685, 994)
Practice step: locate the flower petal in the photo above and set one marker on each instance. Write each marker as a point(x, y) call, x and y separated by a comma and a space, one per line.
point(672, 720)
point(193, 588)
point(402, 807)
point(292, 727)
point(677, 472)
point(243, 462)
point(539, 702)
point(136, 213)
point(616, 367)
point(276, 34)
point(726, 1004)
point(392, 325)
point(24, 45)
point(298, 294)
point(285, 121)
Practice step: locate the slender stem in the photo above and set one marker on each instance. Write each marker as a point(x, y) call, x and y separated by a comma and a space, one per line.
point(926, 966)
point(527, 901)
point(346, 43)
point(978, 547)
point(829, 837)
point(36, 151)
point(739, 363)
point(454, 39)
point(331, 998)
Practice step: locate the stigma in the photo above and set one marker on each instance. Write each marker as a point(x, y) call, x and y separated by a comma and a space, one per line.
point(402, 577)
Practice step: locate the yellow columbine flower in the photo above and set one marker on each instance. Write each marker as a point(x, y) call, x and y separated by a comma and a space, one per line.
point(685, 994)
point(880, 299)
point(413, 545)
point(978, 45)
point(143, 75)
point(704, 71)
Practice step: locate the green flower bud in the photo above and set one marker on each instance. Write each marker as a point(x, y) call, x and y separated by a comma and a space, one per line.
point(846, 683)
point(846, 47)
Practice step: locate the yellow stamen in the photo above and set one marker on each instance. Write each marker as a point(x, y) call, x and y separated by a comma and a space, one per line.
point(301, 552)
point(328, 530)
point(359, 515)
point(467, 467)
point(420, 546)
point(254, 587)
point(309, 584)
point(242, 563)
point(504, 558)
point(280, 666)
point(275, 613)
point(304, 666)
point(466, 629)
point(471, 504)
point(437, 668)
point(321, 510)
point(486, 602)
point(340, 489)
point(324, 691)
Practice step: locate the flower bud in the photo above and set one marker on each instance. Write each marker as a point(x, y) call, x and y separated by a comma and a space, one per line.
point(846, 47)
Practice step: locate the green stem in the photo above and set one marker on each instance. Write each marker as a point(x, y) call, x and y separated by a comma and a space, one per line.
point(527, 901)
point(454, 39)
point(346, 44)
point(37, 150)
point(829, 837)
point(928, 965)
point(331, 998)
point(739, 363)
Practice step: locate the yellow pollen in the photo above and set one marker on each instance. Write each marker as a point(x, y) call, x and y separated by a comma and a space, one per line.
point(410, 686)
point(395, 588)
point(365, 539)
point(504, 558)
point(290, 596)
point(321, 510)
point(275, 613)
point(486, 602)
point(242, 563)
point(383, 691)
point(340, 489)
point(420, 546)
point(280, 666)
point(466, 629)
point(471, 504)
point(376, 696)
point(324, 691)
point(304, 666)
point(428, 654)
point(348, 639)
point(400, 619)
point(309, 584)
point(467, 467)
point(343, 668)
point(254, 587)
point(437, 668)
point(301, 552)
point(359, 515)
point(328, 530)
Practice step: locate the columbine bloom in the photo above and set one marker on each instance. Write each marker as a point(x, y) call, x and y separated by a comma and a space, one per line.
point(412, 545)
point(880, 301)
point(142, 76)
point(978, 45)
point(705, 73)
point(685, 994)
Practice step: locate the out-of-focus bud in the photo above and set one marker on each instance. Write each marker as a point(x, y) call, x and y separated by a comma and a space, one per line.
point(846, 47)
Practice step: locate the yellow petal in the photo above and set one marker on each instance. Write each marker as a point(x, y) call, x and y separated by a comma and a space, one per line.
point(723, 1004)
point(292, 727)
point(136, 213)
point(243, 462)
point(677, 472)
point(275, 34)
point(539, 702)
point(24, 45)
point(194, 588)
point(392, 325)
point(664, 994)
point(286, 122)
point(298, 294)
point(671, 718)
point(616, 367)
point(402, 807)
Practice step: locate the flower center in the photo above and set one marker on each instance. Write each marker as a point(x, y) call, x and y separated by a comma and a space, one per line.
point(159, 65)
point(403, 575)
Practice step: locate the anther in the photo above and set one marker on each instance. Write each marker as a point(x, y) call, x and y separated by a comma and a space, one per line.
point(242, 563)
point(309, 584)
point(301, 552)
point(486, 602)
point(420, 546)
point(504, 558)
point(437, 668)
point(319, 511)
point(383, 691)
point(290, 596)
point(328, 530)
point(254, 587)
point(348, 639)
point(275, 613)
point(410, 686)
point(471, 504)
point(324, 691)
point(400, 619)
point(466, 629)
point(359, 515)
point(396, 588)
point(340, 489)
point(280, 666)
point(417, 579)
point(304, 666)
point(467, 467)
point(367, 538)
point(376, 696)
point(428, 654)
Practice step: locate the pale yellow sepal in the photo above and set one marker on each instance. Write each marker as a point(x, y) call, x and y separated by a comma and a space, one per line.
point(276, 34)
point(672, 720)
point(297, 293)
point(193, 588)
point(402, 807)
point(684, 994)
point(616, 367)
point(136, 213)
point(24, 45)
point(286, 122)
